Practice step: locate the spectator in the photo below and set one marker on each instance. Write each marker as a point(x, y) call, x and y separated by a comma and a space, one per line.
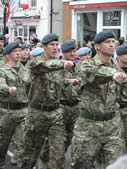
point(91, 45)
point(121, 40)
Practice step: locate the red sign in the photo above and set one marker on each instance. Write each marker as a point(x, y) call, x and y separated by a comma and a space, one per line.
point(99, 5)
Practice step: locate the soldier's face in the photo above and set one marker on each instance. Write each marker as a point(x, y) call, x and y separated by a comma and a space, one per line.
point(84, 57)
point(1, 44)
point(70, 55)
point(51, 49)
point(106, 47)
point(122, 59)
point(24, 53)
point(14, 56)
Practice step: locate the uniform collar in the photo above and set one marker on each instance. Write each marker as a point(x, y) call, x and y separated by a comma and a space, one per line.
point(100, 62)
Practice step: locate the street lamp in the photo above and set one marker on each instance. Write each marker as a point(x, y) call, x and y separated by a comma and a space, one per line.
point(4, 2)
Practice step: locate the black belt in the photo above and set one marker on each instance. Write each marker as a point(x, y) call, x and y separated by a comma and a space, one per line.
point(47, 107)
point(98, 116)
point(63, 102)
point(13, 106)
point(123, 106)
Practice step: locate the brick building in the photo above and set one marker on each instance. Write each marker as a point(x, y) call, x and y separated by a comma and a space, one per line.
point(84, 18)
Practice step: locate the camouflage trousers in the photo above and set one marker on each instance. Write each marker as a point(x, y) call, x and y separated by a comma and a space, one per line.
point(123, 113)
point(97, 137)
point(39, 127)
point(70, 115)
point(11, 125)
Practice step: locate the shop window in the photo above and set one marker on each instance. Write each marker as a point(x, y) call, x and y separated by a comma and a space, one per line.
point(86, 26)
point(112, 18)
point(25, 31)
point(15, 32)
point(33, 3)
point(19, 4)
point(32, 30)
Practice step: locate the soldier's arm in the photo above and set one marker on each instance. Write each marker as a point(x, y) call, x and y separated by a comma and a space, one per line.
point(91, 73)
point(4, 88)
point(50, 65)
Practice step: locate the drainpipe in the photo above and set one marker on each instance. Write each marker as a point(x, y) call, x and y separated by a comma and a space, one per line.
point(51, 15)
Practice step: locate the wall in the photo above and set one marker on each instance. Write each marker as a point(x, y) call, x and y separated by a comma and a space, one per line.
point(67, 23)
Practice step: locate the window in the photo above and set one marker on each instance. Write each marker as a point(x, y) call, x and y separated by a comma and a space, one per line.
point(33, 3)
point(19, 5)
point(112, 18)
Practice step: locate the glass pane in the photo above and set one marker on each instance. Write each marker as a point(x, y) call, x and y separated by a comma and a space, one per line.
point(112, 18)
point(86, 26)
point(20, 32)
point(25, 31)
point(33, 3)
point(15, 32)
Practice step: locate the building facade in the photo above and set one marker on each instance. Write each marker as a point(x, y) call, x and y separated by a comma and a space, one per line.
point(90, 17)
point(41, 17)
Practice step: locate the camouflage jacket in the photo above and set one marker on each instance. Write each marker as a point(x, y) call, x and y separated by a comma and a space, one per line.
point(99, 91)
point(10, 78)
point(47, 80)
point(123, 91)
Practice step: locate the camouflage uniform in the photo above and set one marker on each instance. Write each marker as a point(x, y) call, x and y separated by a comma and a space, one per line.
point(2, 60)
point(99, 127)
point(70, 99)
point(123, 105)
point(12, 108)
point(45, 118)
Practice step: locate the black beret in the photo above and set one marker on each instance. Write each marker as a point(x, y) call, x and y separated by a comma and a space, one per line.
point(9, 48)
point(121, 50)
point(1, 37)
point(101, 36)
point(68, 45)
point(49, 37)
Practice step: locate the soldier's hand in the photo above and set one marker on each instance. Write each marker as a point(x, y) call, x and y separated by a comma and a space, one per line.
point(119, 77)
point(73, 81)
point(12, 91)
point(68, 64)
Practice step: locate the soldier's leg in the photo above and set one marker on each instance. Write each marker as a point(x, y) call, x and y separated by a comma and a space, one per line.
point(86, 144)
point(17, 138)
point(44, 155)
point(114, 146)
point(71, 114)
point(56, 140)
point(123, 112)
point(7, 126)
point(36, 126)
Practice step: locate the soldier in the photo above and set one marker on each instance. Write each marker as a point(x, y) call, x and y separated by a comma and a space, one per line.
point(99, 128)
point(83, 54)
point(71, 98)
point(1, 48)
point(24, 54)
point(122, 60)
point(45, 118)
point(14, 87)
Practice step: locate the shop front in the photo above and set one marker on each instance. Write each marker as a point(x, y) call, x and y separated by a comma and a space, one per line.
point(89, 18)
point(22, 27)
